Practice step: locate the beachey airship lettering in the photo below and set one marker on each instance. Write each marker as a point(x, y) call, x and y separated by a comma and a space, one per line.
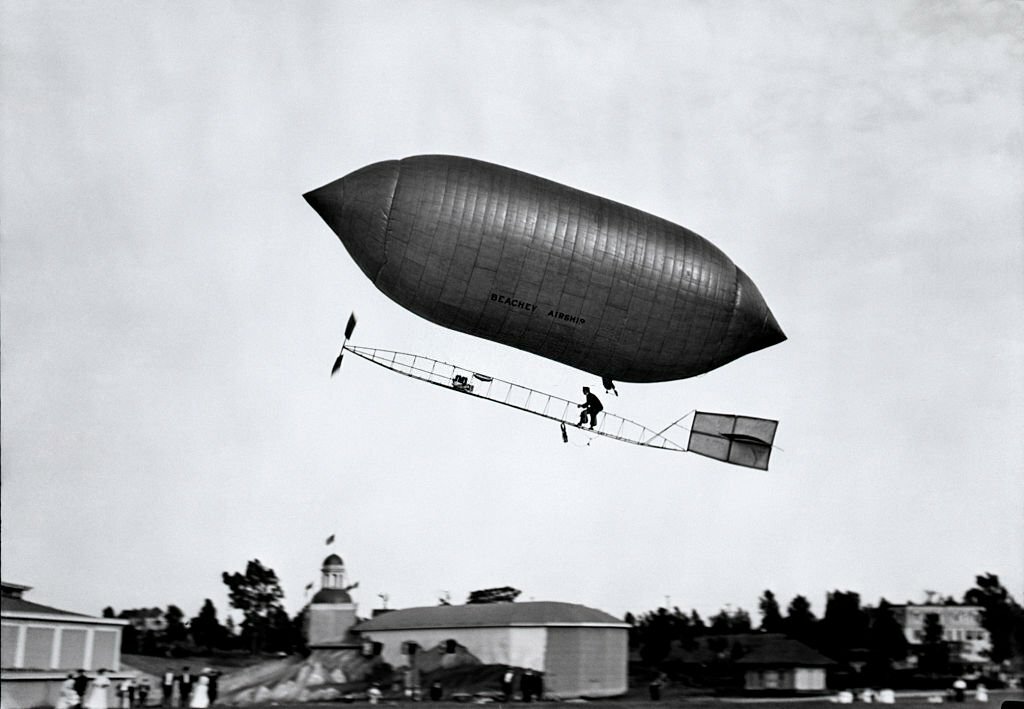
point(533, 264)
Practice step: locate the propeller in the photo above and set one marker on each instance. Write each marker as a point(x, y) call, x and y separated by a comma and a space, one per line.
point(349, 328)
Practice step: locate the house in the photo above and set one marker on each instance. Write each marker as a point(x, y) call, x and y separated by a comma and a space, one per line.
point(145, 620)
point(40, 645)
point(782, 664)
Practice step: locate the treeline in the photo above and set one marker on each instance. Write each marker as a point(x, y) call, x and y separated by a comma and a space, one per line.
point(866, 639)
point(266, 626)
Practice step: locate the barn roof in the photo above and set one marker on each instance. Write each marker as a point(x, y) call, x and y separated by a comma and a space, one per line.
point(532, 613)
point(20, 605)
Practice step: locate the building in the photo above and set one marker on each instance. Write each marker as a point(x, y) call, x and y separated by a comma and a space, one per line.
point(961, 628)
point(784, 665)
point(331, 610)
point(40, 645)
point(582, 652)
point(145, 620)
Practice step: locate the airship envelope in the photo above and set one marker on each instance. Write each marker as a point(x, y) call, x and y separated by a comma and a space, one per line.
point(533, 264)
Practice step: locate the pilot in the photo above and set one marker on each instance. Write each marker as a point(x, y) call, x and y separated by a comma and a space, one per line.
point(591, 408)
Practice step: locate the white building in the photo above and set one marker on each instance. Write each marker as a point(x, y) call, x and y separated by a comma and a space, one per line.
point(582, 652)
point(961, 627)
point(331, 610)
point(40, 645)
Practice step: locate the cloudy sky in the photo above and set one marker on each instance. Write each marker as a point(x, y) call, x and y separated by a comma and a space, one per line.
point(171, 307)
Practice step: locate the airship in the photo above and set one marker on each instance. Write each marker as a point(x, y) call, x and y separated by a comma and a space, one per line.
point(529, 263)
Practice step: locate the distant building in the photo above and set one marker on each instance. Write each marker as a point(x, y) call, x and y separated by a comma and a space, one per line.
point(961, 628)
point(581, 652)
point(145, 619)
point(784, 665)
point(40, 645)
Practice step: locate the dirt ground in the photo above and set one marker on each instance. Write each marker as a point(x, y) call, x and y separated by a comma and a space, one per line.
point(918, 700)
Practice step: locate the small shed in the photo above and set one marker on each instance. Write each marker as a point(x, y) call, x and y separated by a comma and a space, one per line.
point(784, 665)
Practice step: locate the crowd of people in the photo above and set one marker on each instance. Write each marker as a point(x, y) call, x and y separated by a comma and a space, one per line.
point(185, 689)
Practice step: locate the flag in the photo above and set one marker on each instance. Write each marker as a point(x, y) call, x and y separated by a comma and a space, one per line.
point(330, 539)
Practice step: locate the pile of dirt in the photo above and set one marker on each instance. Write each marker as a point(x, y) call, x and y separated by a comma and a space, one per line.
point(325, 675)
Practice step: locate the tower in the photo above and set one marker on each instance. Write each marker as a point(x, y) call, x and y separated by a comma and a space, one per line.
point(331, 610)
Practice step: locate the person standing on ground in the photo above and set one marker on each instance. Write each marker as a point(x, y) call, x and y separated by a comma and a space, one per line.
point(68, 698)
point(212, 689)
point(200, 694)
point(185, 681)
point(167, 688)
point(97, 698)
point(508, 684)
point(81, 686)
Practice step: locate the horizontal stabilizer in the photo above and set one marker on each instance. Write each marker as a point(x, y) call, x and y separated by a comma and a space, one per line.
point(740, 440)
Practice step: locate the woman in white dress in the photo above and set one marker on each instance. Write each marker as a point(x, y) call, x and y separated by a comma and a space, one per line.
point(201, 694)
point(97, 698)
point(68, 696)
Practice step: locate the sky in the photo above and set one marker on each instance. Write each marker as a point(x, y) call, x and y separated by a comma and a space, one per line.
point(170, 306)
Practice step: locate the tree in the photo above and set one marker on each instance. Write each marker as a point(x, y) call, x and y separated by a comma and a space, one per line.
point(149, 644)
point(934, 649)
point(655, 636)
point(175, 631)
point(1001, 616)
point(206, 630)
point(844, 628)
point(801, 624)
point(283, 633)
point(771, 616)
point(257, 593)
point(129, 640)
point(230, 634)
point(684, 630)
point(697, 625)
point(729, 623)
point(633, 635)
point(503, 594)
point(108, 612)
point(300, 631)
point(886, 642)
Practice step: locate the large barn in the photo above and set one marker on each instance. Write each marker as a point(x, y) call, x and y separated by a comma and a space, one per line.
point(582, 652)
